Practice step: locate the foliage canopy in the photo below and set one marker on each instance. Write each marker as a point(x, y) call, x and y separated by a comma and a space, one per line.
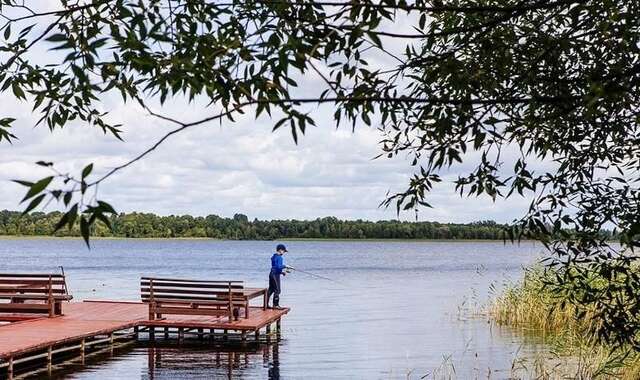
point(146, 225)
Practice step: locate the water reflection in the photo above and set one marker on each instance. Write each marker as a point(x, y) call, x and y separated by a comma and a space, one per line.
point(192, 362)
point(274, 364)
point(164, 361)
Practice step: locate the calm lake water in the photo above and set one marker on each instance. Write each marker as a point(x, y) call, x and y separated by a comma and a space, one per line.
point(402, 310)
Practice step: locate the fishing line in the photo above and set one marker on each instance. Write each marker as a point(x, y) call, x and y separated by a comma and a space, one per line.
point(317, 276)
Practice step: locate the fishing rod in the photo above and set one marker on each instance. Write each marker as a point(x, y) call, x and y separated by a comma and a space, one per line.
point(315, 275)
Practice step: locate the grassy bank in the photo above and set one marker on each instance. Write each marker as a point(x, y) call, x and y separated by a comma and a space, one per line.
point(533, 310)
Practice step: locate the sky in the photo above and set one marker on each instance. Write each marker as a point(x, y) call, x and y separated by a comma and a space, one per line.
point(230, 168)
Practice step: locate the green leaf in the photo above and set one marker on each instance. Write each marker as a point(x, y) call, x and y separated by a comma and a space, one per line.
point(84, 230)
point(18, 91)
point(34, 203)
point(67, 198)
point(375, 39)
point(7, 121)
point(37, 187)
point(100, 216)
point(87, 170)
point(67, 219)
point(23, 183)
point(107, 207)
point(58, 37)
point(73, 215)
point(26, 30)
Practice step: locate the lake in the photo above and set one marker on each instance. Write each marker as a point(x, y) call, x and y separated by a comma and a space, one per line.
point(401, 309)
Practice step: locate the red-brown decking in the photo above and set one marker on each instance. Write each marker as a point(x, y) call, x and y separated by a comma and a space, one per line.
point(89, 319)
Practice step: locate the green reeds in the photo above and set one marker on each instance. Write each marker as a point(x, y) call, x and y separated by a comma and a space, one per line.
point(532, 308)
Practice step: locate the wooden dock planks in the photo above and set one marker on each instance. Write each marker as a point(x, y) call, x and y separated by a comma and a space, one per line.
point(89, 319)
point(258, 318)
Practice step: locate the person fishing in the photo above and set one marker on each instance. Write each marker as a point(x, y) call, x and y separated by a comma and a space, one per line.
point(277, 269)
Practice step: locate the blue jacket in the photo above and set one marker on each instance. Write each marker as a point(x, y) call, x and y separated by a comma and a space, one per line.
point(277, 263)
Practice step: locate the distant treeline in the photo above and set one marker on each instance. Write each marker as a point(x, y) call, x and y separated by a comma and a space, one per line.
point(144, 225)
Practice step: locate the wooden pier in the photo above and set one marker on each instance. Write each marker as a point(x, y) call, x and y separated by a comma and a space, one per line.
point(40, 341)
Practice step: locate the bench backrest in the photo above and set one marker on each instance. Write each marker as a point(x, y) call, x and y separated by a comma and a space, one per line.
point(37, 284)
point(153, 288)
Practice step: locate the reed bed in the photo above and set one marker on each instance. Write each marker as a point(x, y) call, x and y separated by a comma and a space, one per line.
point(531, 308)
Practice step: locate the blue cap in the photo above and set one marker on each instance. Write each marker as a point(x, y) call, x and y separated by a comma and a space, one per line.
point(281, 247)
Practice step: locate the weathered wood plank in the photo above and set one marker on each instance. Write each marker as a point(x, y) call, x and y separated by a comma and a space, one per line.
point(57, 297)
point(38, 282)
point(158, 289)
point(203, 285)
point(34, 275)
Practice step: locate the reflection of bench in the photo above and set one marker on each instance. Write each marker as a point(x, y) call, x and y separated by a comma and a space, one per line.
point(197, 297)
point(33, 293)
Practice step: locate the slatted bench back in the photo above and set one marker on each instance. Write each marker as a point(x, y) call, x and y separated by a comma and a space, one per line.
point(189, 290)
point(191, 297)
point(33, 293)
point(31, 283)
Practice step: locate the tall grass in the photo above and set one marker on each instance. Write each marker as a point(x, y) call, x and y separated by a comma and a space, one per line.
point(533, 309)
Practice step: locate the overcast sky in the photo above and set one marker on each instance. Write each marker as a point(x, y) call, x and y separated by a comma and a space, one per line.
point(230, 168)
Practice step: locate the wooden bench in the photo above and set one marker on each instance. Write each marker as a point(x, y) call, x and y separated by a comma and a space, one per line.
point(197, 297)
point(33, 293)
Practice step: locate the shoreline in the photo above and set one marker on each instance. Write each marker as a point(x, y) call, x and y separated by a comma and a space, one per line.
point(46, 237)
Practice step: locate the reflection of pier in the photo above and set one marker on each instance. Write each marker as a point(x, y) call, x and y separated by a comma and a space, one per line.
point(175, 362)
point(38, 343)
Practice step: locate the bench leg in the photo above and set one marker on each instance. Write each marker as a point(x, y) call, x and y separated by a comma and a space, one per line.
point(49, 360)
point(10, 369)
point(58, 308)
point(152, 311)
point(246, 310)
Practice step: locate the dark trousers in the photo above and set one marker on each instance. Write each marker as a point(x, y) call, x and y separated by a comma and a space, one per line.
point(274, 288)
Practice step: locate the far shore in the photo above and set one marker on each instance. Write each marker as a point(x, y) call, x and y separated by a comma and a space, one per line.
point(43, 237)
